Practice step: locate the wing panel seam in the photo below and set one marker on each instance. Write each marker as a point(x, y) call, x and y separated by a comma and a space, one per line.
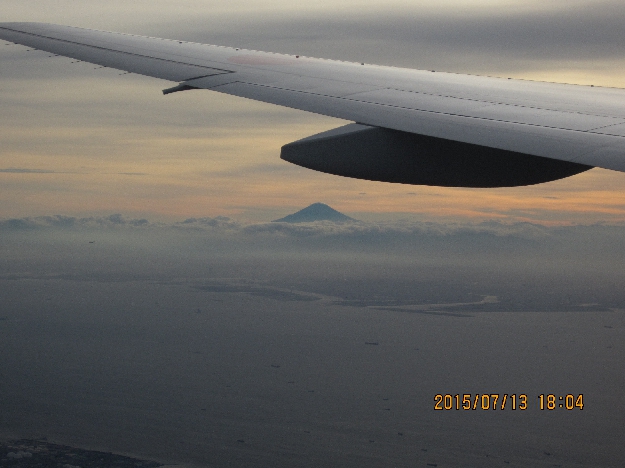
point(498, 103)
point(425, 110)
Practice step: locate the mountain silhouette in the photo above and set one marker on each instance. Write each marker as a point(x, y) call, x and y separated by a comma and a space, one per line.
point(315, 212)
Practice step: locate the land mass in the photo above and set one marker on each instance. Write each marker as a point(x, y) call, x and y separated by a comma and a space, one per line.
point(315, 212)
point(27, 453)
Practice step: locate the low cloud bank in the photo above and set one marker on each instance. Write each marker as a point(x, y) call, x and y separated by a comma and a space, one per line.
point(317, 229)
point(311, 229)
point(477, 240)
point(68, 222)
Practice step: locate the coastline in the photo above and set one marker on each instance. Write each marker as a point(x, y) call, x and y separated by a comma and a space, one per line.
point(26, 451)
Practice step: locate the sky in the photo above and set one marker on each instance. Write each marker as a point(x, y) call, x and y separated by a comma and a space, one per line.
point(83, 142)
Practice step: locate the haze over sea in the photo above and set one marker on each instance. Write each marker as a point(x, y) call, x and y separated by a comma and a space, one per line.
point(212, 342)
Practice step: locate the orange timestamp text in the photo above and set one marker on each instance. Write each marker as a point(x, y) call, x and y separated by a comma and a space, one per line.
point(503, 401)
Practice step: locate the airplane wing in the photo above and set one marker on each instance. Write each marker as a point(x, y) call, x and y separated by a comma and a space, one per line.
point(411, 126)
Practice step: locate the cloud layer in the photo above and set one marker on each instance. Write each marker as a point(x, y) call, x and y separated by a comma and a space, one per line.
point(480, 36)
point(320, 233)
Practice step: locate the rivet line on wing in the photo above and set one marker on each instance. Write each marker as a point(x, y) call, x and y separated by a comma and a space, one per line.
point(605, 126)
point(116, 51)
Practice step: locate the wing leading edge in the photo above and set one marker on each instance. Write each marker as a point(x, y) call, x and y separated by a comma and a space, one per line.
point(417, 127)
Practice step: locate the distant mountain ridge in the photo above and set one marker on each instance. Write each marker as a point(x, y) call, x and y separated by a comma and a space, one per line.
point(315, 212)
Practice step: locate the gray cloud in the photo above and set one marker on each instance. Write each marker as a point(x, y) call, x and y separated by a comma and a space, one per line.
point(69, 222)
point(219, 222)
point(404, 229)
point(501, 38)
point(17, 170)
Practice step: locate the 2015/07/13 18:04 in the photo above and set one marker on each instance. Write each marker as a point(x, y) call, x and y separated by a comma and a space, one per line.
point(501, 401)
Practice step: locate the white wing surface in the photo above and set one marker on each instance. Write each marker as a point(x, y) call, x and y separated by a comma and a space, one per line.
point(434, 114)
